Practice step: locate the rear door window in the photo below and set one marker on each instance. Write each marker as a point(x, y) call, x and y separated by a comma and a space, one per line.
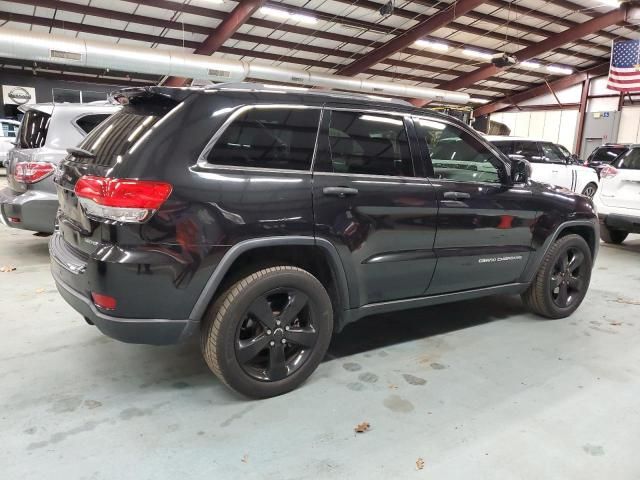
point(35, 126)
point(529, 150)
point(368, 144)
point(273, 137)
point(89, 122)
point(504, 147)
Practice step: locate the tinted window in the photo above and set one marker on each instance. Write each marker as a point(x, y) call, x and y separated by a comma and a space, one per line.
point(631, 160)
point(35, 126)
point(564, 151)
point(552, 153)
point(369, 143)
point(89, 122)
point(606, 154)
point(9, 130)
point(122, 133)
point(457, 155)
point(504, 147)
point(268, 138)
point(529, 150)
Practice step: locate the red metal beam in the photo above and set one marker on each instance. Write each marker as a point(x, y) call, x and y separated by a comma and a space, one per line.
point(230, 25)
point(582, 113)
point(439, 20)
point(567, 36)
point(561, 83)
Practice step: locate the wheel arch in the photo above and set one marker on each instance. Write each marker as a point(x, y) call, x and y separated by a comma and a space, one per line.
point(587, 229)
point(318, 256)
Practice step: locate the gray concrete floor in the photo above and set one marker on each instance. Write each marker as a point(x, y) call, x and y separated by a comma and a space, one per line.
point(478, 390)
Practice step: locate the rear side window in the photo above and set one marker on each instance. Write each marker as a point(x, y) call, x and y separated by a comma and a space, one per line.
point(369, 144)
point(89, 122)
point(282, 138)
point(529, 150)
point(35, 126)
point(606, 154)
point(631, 160)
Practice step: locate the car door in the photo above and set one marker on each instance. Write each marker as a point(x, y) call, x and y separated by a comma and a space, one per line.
point(484, 221)
point(561, 173)
point(369, 203)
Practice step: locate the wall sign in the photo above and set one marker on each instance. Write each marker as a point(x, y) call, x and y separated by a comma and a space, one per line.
point(16, 95)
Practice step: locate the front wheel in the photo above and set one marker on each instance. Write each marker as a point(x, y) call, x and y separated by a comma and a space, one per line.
point(590, 190)
point(562, 280)
point(267, 333)
point(608, 235)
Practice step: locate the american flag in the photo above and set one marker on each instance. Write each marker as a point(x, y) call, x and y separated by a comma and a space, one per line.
point(624, 73)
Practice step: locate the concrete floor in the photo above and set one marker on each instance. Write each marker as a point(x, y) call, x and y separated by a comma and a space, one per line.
point(478, 390)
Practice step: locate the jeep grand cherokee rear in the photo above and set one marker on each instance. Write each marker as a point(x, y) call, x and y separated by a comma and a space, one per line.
point(266, 220)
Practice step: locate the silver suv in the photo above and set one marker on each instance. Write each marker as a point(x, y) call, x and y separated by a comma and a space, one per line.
point(46, 132)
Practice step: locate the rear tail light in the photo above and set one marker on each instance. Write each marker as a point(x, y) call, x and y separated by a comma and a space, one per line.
point(608, 172)
point(121, 199)
point(104, 302)
point(32, 172)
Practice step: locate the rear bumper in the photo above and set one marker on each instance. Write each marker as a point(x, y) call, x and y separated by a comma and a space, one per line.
point(152, 331)
point(625, 223)
point(31, 210)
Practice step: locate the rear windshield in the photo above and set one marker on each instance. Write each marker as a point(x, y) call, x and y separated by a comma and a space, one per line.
point(34, 128)
point(631, 160)
point(121, 133)
point(607, 154)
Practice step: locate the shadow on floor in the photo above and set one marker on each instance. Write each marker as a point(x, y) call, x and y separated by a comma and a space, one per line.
point(389, 329)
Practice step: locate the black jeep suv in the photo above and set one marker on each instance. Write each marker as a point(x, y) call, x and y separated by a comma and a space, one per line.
point(265, 220)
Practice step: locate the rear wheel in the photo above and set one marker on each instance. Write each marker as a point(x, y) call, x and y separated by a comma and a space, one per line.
point(267, 333)
point(590, 190)
point(609, 235)
point(562, 280)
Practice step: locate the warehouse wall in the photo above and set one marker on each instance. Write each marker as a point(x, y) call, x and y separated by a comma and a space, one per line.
point(557, 126)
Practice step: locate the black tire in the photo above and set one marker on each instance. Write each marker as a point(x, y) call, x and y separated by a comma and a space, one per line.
point(609, 235)
point(590, 190)
point(232, 331)
point(552, 284)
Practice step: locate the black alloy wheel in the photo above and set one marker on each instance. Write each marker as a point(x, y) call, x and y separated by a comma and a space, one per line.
point(566, 280)
point(590, 190)
point(267, 332)
point(277, 334)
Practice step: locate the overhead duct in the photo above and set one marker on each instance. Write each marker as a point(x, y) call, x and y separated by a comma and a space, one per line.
point(62, 50)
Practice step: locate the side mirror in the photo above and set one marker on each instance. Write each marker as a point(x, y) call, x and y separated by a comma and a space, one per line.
point(520, 170)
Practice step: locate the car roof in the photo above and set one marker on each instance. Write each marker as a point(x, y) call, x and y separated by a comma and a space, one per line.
point(282, 94)
point(12, 122)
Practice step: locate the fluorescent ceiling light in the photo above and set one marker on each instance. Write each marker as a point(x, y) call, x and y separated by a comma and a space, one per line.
point(478, 100)
point(276, 12)
point(530, 65)
point(443, 47)
point(611, 3)
point(477, 54)
point(559, 70)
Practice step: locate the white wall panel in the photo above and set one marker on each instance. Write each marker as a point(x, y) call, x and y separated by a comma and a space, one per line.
point(603, 105)
point(536, 125)
point(568, 127)
point(629, 125)
point(522, 124)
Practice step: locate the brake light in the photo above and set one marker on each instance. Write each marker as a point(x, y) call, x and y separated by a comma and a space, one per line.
point(121, 199)
point(608, 172)
point(103, 301)
point(32, 172)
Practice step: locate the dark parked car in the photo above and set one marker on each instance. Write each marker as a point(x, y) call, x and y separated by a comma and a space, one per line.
point(266, 220)
point(605, 155)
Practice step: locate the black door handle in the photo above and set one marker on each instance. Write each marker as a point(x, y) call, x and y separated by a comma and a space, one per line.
point(340, 191)
point(456, 196)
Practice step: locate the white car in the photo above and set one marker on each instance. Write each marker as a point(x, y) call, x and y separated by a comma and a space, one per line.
point(8, 135)
point(550, 163)
point(618, 199)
